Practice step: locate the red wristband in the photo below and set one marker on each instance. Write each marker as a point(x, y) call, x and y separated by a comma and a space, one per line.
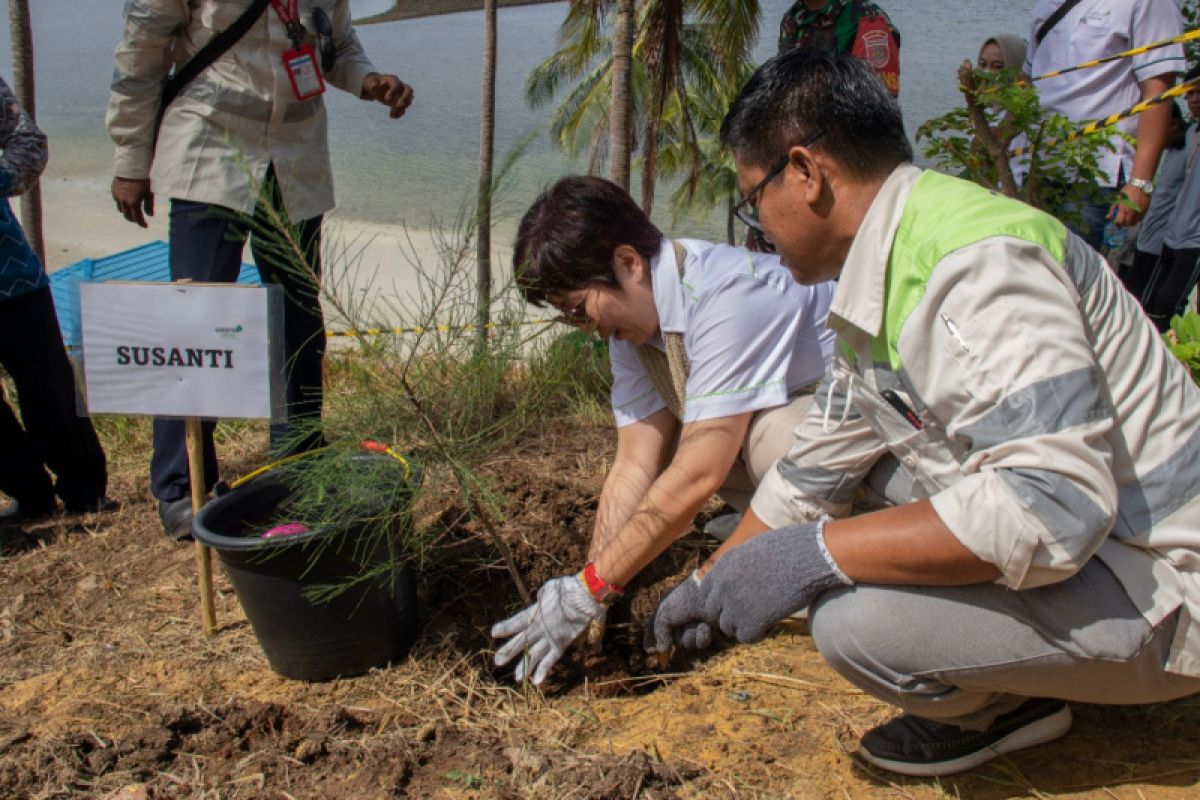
point(602, 591)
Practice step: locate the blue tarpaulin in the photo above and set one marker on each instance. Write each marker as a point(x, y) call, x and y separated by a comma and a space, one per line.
point(147, 262)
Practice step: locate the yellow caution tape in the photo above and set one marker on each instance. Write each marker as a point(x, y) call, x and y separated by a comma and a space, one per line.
point(1113, 119)
point(431, 328)
point(1137, 51)
point(356, 332)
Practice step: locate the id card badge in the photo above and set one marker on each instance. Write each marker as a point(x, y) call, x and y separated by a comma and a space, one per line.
point(303, 72)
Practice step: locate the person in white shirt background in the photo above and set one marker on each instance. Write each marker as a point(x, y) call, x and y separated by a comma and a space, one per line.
point(1092, 29)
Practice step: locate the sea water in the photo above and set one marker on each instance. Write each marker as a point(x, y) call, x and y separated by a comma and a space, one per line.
point(424, 167)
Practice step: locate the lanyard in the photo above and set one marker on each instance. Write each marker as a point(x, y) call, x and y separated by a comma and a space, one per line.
point(290, 17)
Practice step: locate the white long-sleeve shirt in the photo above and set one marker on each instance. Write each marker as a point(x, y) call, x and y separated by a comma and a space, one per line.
point(237, 117)
point(1049, 424)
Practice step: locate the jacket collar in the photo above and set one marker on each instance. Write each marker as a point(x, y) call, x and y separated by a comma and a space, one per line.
point(858, 301)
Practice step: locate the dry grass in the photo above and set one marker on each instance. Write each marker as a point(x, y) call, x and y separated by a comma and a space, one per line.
point(107, 684)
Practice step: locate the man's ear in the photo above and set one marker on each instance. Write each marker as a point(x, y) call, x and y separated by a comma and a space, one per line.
point(628, 264)
point(805, 168)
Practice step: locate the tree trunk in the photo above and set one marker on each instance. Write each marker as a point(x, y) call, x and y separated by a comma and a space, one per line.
point(618, 114)
point(21, 35)
point(650, 160)
point(487, 135)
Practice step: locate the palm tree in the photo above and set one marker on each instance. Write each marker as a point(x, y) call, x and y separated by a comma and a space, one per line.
point(678, 45)
point(619, 132)
point(719, 183)
point(21, 34)
point(487, 136)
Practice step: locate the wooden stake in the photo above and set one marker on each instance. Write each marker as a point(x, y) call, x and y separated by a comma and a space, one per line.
point(195, 451)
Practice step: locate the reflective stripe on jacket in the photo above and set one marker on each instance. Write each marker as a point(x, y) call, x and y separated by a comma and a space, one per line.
point(1054, 425)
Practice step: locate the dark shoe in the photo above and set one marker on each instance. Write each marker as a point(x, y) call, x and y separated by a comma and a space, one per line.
point(912, 745)
point(176, 517)
point(18, 512)
point(93, 506)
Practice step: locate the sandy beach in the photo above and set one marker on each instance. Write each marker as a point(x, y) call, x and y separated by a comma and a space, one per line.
point(378, 261)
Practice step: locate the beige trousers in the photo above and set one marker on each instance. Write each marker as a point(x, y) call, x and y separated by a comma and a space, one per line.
point(771, 434)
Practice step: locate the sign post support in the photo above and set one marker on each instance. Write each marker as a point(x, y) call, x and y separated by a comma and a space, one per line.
point(188, 351)
point(195, 451)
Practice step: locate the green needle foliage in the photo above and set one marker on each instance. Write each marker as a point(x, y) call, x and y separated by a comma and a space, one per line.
point(442, 402)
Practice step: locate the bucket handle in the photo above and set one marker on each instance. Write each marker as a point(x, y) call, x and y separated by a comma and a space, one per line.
point(368, 445)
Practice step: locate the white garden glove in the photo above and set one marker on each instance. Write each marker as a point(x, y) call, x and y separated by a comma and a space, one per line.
point(545, 630)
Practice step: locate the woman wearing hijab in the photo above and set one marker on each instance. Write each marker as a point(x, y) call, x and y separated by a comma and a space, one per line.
point(1002, 51)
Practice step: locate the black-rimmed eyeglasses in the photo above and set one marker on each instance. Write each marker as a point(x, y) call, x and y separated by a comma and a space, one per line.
point(575, 315)
point(747, 209)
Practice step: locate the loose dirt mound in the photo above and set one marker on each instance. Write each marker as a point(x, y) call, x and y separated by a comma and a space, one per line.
point(108, 689)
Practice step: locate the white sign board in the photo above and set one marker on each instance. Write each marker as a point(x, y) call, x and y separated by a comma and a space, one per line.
point(178, 349)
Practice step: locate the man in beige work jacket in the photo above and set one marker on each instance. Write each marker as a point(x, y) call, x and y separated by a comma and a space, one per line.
point(1051, 549)
point(242, 144)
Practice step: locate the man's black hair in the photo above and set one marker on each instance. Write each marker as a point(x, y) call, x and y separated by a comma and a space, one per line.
point(567, 237)
point(800, 92)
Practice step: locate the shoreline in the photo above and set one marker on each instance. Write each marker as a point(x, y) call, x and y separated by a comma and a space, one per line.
point(413, 9)
point(362, 258)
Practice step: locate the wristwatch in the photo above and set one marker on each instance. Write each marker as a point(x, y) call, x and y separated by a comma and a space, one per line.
point(602, 591)
point(1140, 183)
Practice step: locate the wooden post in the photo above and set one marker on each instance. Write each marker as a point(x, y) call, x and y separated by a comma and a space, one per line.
point(195, 451)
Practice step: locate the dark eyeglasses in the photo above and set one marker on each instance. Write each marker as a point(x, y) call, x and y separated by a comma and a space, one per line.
point(577, 315)
point(747, 209)
point(325, 43)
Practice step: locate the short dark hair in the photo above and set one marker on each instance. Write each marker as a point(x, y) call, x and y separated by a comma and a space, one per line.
point(799, 92)
point(567, 237)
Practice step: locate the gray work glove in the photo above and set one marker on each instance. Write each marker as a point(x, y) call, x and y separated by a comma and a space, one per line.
point(545, 630)
point(750, 588)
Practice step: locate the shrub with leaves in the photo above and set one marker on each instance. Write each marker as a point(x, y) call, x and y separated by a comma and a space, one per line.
point(1183, 339)
point(973, 142)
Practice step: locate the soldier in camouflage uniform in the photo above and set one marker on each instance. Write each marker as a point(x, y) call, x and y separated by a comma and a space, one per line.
point(846, 26)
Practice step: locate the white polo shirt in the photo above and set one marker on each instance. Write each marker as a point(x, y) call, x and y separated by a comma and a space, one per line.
point(1091, 30)
point(753, 335)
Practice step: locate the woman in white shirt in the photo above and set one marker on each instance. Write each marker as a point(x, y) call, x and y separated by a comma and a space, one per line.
point(713, 347)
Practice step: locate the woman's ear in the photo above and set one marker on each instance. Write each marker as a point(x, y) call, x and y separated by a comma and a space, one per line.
point(628, 264)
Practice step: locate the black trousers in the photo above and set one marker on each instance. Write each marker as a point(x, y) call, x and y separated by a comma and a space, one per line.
point(1136, 276)
point(1169, 285)
point(54, 435)
point(206, 245)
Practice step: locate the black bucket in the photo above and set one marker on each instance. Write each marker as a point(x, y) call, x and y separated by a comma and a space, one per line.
point(367, 625)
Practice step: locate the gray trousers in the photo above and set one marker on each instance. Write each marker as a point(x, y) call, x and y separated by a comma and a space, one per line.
point(966, 654)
